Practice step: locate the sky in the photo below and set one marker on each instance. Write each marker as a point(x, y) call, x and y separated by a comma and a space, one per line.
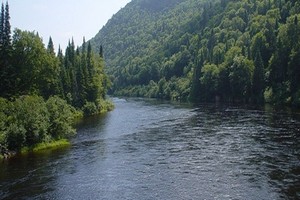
point(63, 19)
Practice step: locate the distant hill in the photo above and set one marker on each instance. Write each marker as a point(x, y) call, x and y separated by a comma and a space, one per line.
point(201, 50)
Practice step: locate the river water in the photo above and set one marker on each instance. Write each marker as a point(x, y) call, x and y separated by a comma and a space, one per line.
point(146, 149)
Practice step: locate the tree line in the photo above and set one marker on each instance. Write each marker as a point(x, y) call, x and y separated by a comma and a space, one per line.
point(198, 50)
point(41, 92)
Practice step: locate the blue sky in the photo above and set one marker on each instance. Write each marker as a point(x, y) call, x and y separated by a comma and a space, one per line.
point(63, 19)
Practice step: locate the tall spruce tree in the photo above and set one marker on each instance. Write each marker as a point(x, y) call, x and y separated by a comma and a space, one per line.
point(7, 30)
point(2, 26)
point(50, 47)
point(6, 71)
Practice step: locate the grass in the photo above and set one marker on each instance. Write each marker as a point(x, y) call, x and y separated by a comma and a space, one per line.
point(46, 146)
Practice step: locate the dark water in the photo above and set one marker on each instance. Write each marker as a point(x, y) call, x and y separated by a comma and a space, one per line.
point(150, 150)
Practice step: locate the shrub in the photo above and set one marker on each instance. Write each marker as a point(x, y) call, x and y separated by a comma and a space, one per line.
point(90, 108)
point(61, 116)
point(28, 122)
point(3, 121)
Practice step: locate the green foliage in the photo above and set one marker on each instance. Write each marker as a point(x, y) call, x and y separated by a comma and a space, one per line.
point(90, 108)
point(61, 116)
point(30, 120)
point(82, 76)
point(30, 68)
point(3, 120)
point(210, 80)
point(240, 78)
point(46, 90)
point(200, 50)
point(27, 122)
point(258, 86)
point(5, 52)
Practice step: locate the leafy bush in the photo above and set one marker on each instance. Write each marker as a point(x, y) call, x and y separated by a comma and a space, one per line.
point(61, 116)
point(104, 105)
point(29, 120)
point(3, 121)
point(90, 108)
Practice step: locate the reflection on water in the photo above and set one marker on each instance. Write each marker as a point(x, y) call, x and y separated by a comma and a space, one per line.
point(147, 149)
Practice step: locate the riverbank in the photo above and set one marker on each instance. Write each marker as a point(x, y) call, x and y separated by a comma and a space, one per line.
point(38, 148)
point(46, 146)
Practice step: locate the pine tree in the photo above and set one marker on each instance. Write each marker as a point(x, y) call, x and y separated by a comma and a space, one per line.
point(50, 47)
point(6, 71)
point(2, 26)
point(62, 72)
point(83, 67)
point(7, 30)
point(89, 59)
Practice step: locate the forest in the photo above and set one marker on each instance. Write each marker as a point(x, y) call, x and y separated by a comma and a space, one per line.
point(41, 92)
point(242, 51)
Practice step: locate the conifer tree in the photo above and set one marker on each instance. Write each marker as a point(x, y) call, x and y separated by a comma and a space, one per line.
point(89, 59)
point(50, 47)
point(2, 26)
point(7, 29)
point(6, 71)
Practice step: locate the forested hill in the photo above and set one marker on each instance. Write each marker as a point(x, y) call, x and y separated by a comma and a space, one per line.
point(203, 50)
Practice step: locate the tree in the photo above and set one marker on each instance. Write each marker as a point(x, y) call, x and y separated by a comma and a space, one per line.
point(195, 93)
point(2, 25)
point(37, 71)
point(61, 116)
point(101, 51)
point(28, 122)
point(258, 80)
point(6, 70)
point(210, 81)
point(7, 30)
point(240, 78)
point(294, 74)
point(50, 47)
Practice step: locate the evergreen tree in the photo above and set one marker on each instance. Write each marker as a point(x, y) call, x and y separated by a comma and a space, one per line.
point(6, 70)
point(62, 72)
point(50, 47)
point(2, 26)
point(89, 59)
point(7, 30)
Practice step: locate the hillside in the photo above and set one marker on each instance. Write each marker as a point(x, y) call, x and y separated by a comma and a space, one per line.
point(200, 50)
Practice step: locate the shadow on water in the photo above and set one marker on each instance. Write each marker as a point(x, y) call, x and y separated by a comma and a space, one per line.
point(25, 176)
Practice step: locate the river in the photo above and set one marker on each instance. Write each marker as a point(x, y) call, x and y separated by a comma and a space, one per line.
point(146, 149)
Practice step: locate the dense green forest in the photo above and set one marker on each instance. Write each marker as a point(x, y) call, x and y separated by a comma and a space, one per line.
point(41, 92)
point(203, 51)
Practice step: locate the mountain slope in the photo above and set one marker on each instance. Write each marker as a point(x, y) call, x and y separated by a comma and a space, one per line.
point(245, 50)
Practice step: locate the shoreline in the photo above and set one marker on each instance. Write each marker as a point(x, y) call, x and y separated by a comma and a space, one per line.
point(44, 146)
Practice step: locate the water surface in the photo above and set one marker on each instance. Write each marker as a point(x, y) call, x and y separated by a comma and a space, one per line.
point(146, 149)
